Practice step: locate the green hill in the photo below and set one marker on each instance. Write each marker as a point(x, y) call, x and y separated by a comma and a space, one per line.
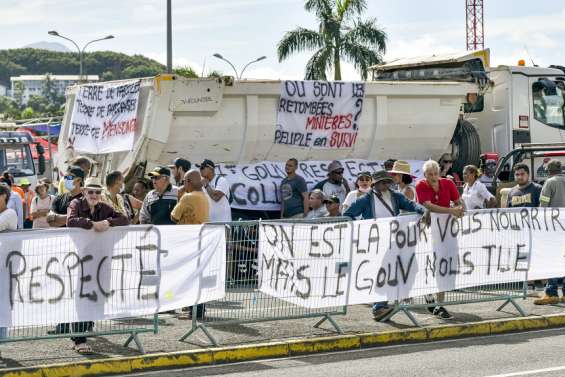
point(108, 65)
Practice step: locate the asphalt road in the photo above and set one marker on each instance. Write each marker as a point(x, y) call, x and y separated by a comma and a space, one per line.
point(536, 353)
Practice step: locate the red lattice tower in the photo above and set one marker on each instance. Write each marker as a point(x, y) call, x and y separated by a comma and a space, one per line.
point(475, 25)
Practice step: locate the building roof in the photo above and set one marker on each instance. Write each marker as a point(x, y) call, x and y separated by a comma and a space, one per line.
point(53, 77)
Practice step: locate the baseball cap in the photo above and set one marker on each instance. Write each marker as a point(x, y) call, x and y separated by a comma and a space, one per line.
point(207, 164)
point(381, 175)
point(25, 182)
point(552, 166)
point(332, 199)
point(159, 171)
point(76, 171)
point(181, 163)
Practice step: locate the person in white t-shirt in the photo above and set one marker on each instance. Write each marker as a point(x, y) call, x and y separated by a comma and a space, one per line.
point(362, 185)
point(475, 194)
point(40, 206)
point(217, 189)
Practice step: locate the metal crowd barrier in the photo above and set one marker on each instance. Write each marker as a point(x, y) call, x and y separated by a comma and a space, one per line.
point(140, 244)
point(244, 303)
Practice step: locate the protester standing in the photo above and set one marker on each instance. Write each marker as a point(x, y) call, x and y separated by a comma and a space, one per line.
point(159, 202)
point(27, 198)
point(475, 194)
point(73, 181)
point(179, 168)
point(488, 178)
point(218, 190)
point(14, 201)
point(83, 163)
point(379, 203)
point(135, 200)
point(362, 187)
point(316, 201)
point(193, 206)
point(40, 206)
point(111, 195)
point(446, 169)
point(89, 212)
point(294, 192)
point(553, 195)
point(438, 195)
point(402, 177)
point(525, 193)
point(335, 184)
point(332, 206)
point(8, 217)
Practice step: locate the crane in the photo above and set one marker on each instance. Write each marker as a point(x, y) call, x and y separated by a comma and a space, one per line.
point(475, 25)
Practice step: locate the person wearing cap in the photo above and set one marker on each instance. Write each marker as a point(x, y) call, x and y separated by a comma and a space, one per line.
point(362, 187)
point(27, 198)
point(553, 195)
point(316, 201)
point(335, 184)
point(294, 192)
point(487, 178)
point(73, 182)
point(381, 202)
point(159, 202)
point(90, 212)
point(179, 168)
point(83, 163)
point(40, 205)
point(475, 194)
point(402, 176)
point(14, 201)
point(332, 205)
point(218, 190)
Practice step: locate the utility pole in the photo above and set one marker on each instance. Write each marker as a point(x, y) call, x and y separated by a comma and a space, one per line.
point(475, 25)
point(169, 38)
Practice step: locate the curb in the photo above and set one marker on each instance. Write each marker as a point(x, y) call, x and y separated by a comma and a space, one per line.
point(223, 355)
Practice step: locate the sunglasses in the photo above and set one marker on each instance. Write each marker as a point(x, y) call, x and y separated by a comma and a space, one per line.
point(69, 177)
point(153, 178)
point(448, 161)
point(94, 192)
point(338, 171)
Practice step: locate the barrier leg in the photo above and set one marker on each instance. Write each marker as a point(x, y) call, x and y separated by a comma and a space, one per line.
point(204, 330)
point(515, 304)
point(133, 337)
point(329, 318)
point(398, 309)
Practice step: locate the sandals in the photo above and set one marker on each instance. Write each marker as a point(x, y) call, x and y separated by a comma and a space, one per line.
point(82, 348)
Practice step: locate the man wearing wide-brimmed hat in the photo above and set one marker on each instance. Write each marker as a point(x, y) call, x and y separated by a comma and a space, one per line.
point(381, 201)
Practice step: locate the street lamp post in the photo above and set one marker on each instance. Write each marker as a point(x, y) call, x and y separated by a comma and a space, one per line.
point(80, 51)
point(238, 76)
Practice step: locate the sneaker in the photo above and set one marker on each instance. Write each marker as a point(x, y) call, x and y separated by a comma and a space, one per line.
point(441, 312)
point(381, 313)
point(547, 300)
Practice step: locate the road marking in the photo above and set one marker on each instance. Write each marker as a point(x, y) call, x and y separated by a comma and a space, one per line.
point(526, 372)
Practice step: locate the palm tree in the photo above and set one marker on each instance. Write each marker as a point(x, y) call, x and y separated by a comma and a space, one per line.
point(341, 35)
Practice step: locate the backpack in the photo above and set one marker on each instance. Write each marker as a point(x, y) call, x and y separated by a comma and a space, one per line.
point(230, 195)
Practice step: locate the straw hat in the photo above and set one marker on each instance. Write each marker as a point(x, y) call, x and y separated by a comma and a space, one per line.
point(93, 182)
point(401, 167)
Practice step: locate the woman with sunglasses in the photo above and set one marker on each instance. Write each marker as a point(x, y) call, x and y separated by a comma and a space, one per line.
point(402, 176)
point(446, 169)
point(362, 186)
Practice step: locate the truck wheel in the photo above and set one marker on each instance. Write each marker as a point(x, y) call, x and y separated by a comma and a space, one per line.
point(466, 146)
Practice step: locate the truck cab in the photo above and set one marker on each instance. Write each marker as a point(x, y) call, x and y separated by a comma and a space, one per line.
point(16, 157)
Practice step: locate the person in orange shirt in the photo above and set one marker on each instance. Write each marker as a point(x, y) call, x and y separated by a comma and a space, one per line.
point(27, 197)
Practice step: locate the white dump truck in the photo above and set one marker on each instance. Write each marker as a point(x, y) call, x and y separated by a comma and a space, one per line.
point(234, 122)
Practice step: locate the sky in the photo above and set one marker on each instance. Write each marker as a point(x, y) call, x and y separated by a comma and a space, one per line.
point(242, 30)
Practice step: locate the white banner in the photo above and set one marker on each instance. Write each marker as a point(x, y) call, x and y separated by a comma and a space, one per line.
point(69, 275)
point(104, 118)
point(388, 259)
point(319, 114)
point(257, 186)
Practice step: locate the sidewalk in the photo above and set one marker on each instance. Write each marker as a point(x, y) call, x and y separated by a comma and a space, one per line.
point(358, 320)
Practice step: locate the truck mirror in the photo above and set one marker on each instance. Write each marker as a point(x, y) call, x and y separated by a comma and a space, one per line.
point(41, 163)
